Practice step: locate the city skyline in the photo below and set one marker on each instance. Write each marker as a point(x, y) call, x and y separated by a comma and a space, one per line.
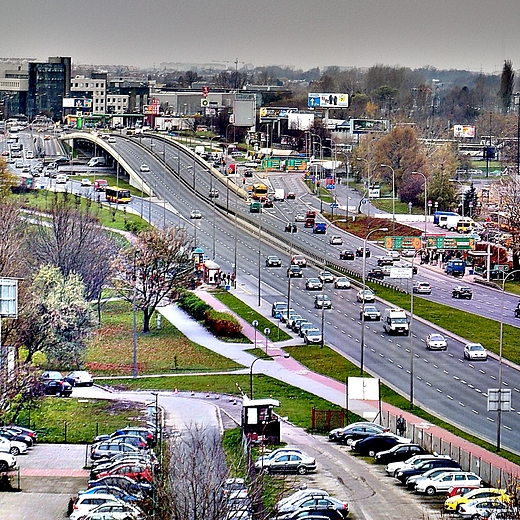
point(296, 33)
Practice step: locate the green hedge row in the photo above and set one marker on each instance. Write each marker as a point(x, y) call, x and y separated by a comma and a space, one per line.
point(218, 322)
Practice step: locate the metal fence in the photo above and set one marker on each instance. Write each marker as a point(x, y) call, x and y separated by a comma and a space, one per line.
point(492, 475)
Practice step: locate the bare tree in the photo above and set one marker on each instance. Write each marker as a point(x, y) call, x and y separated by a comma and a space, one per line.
point(149, 272)
point(75, 242)
point(196, 472)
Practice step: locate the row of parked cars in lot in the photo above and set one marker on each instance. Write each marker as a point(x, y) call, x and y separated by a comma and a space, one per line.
point(14, 440)
point(428, 474)
point(123, 466)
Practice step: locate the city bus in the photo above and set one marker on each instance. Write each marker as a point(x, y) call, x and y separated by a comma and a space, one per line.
point(259, 191)
point(118, 195)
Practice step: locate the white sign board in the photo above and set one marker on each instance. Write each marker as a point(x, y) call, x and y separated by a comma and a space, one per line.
point(8, 298)
point(401, 272)
point(494, 396)
point(363, 388)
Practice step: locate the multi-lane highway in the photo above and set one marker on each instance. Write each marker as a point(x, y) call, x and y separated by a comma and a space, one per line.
point(443, 382)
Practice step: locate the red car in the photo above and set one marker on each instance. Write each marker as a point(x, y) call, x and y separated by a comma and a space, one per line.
point(136, 471)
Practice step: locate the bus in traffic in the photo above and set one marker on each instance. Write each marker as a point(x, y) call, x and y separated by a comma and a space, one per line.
point(117, 195)
point(259, 191)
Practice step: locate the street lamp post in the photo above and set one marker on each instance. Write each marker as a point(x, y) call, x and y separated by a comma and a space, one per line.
point(393, 197)
point(284, 355)
point(267, 331)
point(368, 190)
point(411, 341)
point(363, 299)
point(425, 199)
point(499, 382)
point(255, 325)
point(259, 256)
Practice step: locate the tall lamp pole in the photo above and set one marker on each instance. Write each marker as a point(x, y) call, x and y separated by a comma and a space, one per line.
point(425, 199)
point(499, 411)
point(285, 355)
point(363, 299)
point(393, 197)
point(411, 342)
point(368, 190)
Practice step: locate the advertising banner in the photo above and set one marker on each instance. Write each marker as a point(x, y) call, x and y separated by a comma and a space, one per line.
point(327, 100)
point(463, 131)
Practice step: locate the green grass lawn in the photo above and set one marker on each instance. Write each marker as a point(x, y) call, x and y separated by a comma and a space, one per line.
point(296, 404)
point(79, 421)
point(115, 217)
point(160, 351)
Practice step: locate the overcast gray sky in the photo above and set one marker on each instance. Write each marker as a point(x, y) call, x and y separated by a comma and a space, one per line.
point(461, 34)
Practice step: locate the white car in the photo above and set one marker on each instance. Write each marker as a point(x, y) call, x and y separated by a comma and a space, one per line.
point(114, 511)
point(86, 183)
point(286, 502)
point(326, 277)
point(87, 502)
point(443, 482)
point(436, 342)
point(312, 336)
point(475, 351)
point(336, 240)
point(12, 447)
point(483, 507)
point(342, 282)
point(80, 378)
point(313, 284)
point(112, 139)
point(393, 467)
point(7, 461)
point(195, 213)
point(144, 168)
point(299, 217)
point(365, 295)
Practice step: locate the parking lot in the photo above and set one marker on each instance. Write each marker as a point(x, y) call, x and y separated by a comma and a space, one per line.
point(50, 474)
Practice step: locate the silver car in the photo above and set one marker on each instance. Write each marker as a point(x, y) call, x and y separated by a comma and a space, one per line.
point(436, 342)
point(475, 351)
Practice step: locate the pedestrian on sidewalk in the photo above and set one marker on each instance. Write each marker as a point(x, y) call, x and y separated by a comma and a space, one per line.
point(401, 425)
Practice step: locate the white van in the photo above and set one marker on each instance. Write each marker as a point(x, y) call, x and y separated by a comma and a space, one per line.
point(199, 150)
point(395, 321)
point(61, 178)
point(279, 194)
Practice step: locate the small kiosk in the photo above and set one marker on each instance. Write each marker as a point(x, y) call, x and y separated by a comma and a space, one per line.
point(211, 272)
point(259, 422)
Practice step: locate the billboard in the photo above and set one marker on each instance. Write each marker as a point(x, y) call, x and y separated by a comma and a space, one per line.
point(244, 112)
point(327, 100)
point(463, 131)
point(77, 103)
point(362, 126)
point(149, 110)
point(275, 113)
point(300, 121)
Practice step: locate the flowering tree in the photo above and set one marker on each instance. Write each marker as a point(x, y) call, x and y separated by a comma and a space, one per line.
point(149, 272)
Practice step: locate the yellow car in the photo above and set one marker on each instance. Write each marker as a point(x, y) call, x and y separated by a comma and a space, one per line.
point(453, 503)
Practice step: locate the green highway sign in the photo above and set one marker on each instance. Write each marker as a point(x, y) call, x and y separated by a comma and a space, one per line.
point(398, 243)
point(441, 242)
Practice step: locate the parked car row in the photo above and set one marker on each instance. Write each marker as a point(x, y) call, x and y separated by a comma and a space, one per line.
point(54, 383)
point(14, 440)
point(122, 469)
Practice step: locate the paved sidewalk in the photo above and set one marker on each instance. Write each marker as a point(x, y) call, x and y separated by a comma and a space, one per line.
point(292, 372)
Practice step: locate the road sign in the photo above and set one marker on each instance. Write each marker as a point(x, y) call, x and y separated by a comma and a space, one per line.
point(401, 272)
point(204, 102)
point(398, 243)
point(440, 242)
point(495, 397)
point(334, 205)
